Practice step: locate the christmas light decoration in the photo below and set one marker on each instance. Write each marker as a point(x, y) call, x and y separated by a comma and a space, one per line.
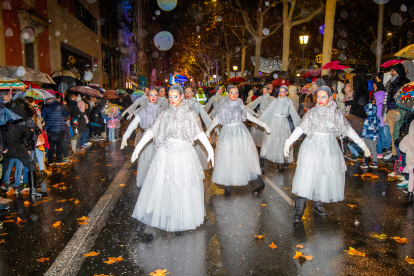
point(322, 29)
point(268, 65)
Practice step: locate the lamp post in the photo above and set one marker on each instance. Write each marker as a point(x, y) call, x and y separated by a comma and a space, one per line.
point(235, 69)
point(303, 39)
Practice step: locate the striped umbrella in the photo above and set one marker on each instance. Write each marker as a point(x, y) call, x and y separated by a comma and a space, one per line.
point(137, 94)
point(7, 83)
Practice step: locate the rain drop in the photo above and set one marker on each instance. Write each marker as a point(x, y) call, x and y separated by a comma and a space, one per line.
point(342, 44)
point(88, 76)
point(8, 32)
point(101, 21)
point(343, 33)
point(157, 12)
point(275, 76)
point(153, 18)
point(66, 41)
point(219, 18)
point(344, 14)
point(164, 40)
point(57, 33)
point(6, 5)
point(342, 57)
point(20, 71)
point(265, 31)
point(403, 8)
point(167, 5)
point(237, 49)
point(267, 3)
point(381, 1)
point(396, 19)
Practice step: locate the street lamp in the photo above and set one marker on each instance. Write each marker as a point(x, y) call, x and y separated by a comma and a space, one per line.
point(303, 39)
point(235, 68)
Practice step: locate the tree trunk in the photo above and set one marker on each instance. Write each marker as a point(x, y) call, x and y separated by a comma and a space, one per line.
point(243, 62)
point(223, 70)
point(329, 33)
point(379, 35)
point(228, 65)
point(287, 27)
point(257, 55)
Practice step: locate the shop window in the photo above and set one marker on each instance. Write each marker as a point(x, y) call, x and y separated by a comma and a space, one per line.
point(29, 55)
point(86, 17)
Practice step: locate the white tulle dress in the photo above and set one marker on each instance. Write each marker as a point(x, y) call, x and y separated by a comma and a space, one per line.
point(199, 148)
point(145, 117)
point(172, 196)
point(236, 157)
point(275, 116)
point(263, 102)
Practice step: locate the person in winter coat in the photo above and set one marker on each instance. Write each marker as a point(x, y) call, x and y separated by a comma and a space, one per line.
point(96, 121)
point(370, 133)
point(74, 114)
point(398, 79)
point(407, 146)
point(293, 96)
point(361, 96)
point(340, 97)
point(379, 94)
point(52, 114)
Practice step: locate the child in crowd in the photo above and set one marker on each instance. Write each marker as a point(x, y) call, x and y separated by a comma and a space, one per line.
point(370, 133)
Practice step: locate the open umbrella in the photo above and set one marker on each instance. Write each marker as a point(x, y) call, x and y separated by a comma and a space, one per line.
point(407, 52)
point(120, 91)
point(37, 94)
point(86, 90)
point(279, 82)
point(391, 62)
point(137, 94)
point(7, 83)
point(25, 74)
point(97, 87)
point(237, 79)
point(64, 73)
point(110, 95)
point(301, 71)
point(7, 116)
point(312, 73)
point(405, 96)
point(333, 65)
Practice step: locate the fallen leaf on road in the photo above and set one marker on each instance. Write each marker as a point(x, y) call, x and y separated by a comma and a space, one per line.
point(76, 177)
point(10, 192)
point(299, 246)
point(82, 222)
point(259, 236)
point(121, 185)
point(42, 260)
point(26, 203)
point(299, 254)
point(381, 237)
point(352, 206)
point(240, 225)
point(2, 241)
point(112, 260)
point(3, 234)
point(91, 254)
point(109, 165)
point(273, 246)
point(71, 199)
point(56, 224)
point(19, 220)
point(25, 193)
point(305, 218)
point(263, 205)
point(59, 210)
point(83, 218)
point(400, 240)
point(159, 272)
point(62, 200)
point(76, 201)
point(55, 186)
point(354, 252)
point(287, 188)
point(63, 188)
point(10, 220)
point(408, 260)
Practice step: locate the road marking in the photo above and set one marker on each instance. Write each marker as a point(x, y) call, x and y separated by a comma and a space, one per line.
point(278, 190)
point(71, 258)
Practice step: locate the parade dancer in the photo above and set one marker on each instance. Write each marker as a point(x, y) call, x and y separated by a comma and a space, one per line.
point(237, 160)
point(145, 117)
point(141, 101)
point(198, 108)
point(320, 172)
point(214, 101)
point(263, 102)
point(276, 117)
point(162, 100)
point(172, 195)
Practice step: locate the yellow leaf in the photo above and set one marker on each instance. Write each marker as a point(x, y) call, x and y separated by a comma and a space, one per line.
point(43, 260)
point(299, 246)
point(121, 185)
point(273, 246)
point(400, 240)
point(408, 260)
point(91, 254)
point(112, 260)
point(62, 200)
point(26, 203)
point(354, 252)
point(71, 199)
point(10, 220)
point(381, 237)
point(309, 258)
point(287, 188)
point(263, 205)
point(59, 210)
point(83, 218)
point(82, 222)
point(2, 241)
point(159, 272)
point(55, 186)
point(298, 254)
point(259, 236)
point(3, 234)
point(19, 220)
point(352, 206)
point(76, 201)
point(56, 224)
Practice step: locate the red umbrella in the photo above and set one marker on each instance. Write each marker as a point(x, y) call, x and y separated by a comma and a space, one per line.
point(86, 90)
point(31, 84)
point(279, 82)
point(312, 73)
point(237, 79)
point(391, 62)
point(333, 65)
point(110, 95)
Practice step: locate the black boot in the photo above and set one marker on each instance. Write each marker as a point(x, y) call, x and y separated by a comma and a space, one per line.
point(141, 227)
point(42, 175)
point(261, 185)
point(318, 208)
point(300, 204)
point(227, 191)
point(262, 167)
point(31, 176)
point(391, 159)
point(410, 197)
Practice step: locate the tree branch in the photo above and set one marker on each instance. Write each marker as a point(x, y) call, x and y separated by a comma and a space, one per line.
point(292, 8)
point(309, 18)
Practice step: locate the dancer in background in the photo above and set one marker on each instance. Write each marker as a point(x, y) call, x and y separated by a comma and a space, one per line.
point(237, 160)
point(145, 117)
point(162, 100)
point(198, 108)
point(141, 101)
point(276, 117)
point(263, 102)
point(172, 196)
point(320, 173)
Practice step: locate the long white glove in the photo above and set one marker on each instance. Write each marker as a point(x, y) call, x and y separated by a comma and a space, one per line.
point(144, 140)
point(292, 138)
point(354, 137)
point(213, 124)
point(258, 122)
point(252, 112)
point(132, 126)
point(204, 140)
point(130, 116)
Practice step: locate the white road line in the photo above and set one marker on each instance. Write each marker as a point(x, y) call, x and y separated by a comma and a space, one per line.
point(71, 258)
point(278, 190)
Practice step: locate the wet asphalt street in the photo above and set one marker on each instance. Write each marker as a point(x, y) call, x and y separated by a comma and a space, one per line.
point(100, 185)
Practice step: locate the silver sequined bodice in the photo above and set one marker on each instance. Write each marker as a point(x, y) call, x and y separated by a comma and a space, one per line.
point(231, 112)
point(148, 114)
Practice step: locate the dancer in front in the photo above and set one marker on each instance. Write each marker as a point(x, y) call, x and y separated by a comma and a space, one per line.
point(320, 172)
point(172, 195)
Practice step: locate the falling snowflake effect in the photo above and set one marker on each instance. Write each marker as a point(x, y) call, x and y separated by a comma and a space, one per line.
point(268, 65)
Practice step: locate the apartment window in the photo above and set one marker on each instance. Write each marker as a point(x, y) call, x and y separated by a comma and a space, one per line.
point(86, 17)
point(29, 55)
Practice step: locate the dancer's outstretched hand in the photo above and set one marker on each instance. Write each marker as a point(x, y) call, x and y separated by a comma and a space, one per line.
point(286, 150)
point(267, 128)
point(135, 155)
point(211, 158)
point(367, 153)
point(124, 143)
point(130, 116)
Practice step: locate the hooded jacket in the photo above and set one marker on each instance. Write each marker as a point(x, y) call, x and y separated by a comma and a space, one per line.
point(395, 85)
point(95, 115)
point(407, 145)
